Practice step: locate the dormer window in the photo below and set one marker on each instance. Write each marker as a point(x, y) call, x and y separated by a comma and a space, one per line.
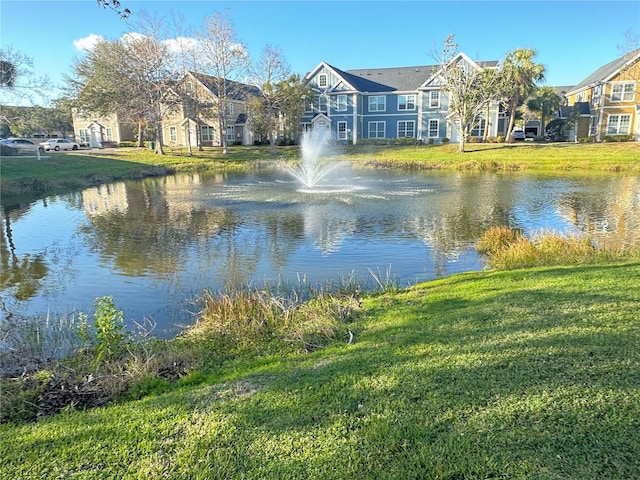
point(188, 87)
point(323, 81)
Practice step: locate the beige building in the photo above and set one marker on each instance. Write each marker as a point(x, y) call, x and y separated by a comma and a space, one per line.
point(99, 132)
point(193, 122)
point(609, 100)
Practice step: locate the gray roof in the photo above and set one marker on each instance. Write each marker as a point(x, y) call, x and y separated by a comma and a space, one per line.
point(606, 71)
point(393, 79)
point(234, 90)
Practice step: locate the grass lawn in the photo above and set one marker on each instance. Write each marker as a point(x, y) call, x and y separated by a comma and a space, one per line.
point(25, 179)
point(525, 374)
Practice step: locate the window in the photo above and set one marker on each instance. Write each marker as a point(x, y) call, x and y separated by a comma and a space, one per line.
point(173, 134)
point(406, 102)
point(342, 130)
point(322, 103)
point(434, 128)
point(341, 103)
point(434, 99)
point(108, 134)
point(228, 110)
point(308, 105)
point(406, 129)
point(322, 80)
point(622, 92)
point(618, 124)
point(208, 133)
point(377, 103)
point(188, 87)
point(376, 129)
point(230, 134)
point(85, 136)
point(478, 128)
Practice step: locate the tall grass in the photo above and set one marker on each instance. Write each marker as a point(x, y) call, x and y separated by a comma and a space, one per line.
point(508, 249)
point(302, 314)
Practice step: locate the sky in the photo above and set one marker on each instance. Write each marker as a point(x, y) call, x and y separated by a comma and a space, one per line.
point(572, 38)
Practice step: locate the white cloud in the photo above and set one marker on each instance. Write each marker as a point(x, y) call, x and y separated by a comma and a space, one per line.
point(180, 44)
point(87, 43)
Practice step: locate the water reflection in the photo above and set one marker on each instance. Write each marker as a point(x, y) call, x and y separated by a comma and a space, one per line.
point(154, 243)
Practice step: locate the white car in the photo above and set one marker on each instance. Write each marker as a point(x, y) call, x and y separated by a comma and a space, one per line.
point(21, 145)
point(58, 144)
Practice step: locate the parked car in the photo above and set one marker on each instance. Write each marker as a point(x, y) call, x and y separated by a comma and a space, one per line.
point(518, 135)
point(21, 145)
point(58, 144)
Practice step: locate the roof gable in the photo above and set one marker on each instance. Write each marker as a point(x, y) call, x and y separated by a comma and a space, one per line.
point(606, 72)
point(460, 57)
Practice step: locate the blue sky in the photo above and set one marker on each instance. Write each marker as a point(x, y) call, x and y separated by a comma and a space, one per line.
point(572, 38)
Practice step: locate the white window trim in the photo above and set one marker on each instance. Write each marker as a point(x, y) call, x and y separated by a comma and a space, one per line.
point(624, 86)
point(342, 134)
point(429, 129)
point(323, 106)
point(430, 99)
point(208, 133)
point(618, 117)
point(406, 122)
point(173, 134)
point(341, 105)
point(377, 122)
point(323, 80)
point(384, 103)
point(406, 102)
point(231, 133)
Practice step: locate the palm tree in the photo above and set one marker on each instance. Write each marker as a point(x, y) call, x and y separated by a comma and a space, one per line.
point(545, 103)
point(519, 78)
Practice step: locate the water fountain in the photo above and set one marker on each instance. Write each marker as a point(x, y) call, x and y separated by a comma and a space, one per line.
point(312, 169)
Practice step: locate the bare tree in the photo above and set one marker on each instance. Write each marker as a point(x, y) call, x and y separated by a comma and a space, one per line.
point(226, 60)
point(18, 82)
point(469, 89)
point(269, 75)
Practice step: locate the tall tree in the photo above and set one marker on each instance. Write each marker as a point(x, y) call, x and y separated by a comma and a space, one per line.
point(468, 88)
point(226, 60)
point(134, 78)
point(19, 85)
point(102, 84)
point(270, 75)
point(520, 75)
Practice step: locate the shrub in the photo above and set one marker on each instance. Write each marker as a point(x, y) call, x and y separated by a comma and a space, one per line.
point(618, 138)
point(445, 140)
point(491, 139)
point(500, 139)
point(109, 324)
point(431, 141)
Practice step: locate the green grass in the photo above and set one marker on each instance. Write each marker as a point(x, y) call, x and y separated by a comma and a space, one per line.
point(26, 179)
point(525, 374)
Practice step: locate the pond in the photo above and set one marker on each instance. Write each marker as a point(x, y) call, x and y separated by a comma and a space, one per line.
point(156, 244)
